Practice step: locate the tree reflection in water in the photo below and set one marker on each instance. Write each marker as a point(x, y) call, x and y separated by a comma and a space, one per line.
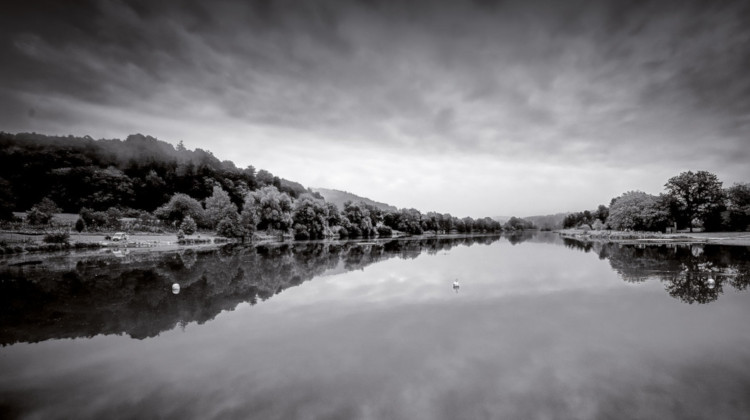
point(133, 295)
point(687, 270)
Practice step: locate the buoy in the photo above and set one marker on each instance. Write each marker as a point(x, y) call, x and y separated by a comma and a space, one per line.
point(175, 288)
point(711, 283)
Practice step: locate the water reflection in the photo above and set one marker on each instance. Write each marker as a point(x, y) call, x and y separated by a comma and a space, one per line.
point(144, 295)
point(693, 273)
point(537, 331)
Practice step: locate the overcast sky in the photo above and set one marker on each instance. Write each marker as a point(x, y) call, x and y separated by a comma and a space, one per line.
point(480, 108)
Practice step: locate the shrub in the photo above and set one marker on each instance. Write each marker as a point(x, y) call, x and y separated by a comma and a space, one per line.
point(301, 233)
point(385, 231)
point(80, 225)
point(57, 237)
point(188, 225)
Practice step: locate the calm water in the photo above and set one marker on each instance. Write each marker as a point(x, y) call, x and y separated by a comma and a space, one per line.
point(540, 328)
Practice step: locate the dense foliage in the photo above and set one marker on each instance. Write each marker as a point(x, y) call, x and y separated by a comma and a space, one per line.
point(146, 184)
point(691, 199)
point(140, 172)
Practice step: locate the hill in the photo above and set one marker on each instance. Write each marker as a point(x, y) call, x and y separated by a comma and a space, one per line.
point(338, 198)
point(548, 222)
point(140, 172)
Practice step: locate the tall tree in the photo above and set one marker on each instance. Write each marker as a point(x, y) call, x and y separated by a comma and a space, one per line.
point(310, 218)
point(272, 208)
point(42, 212)
point(738, 206)
point(359, 216)
point(637, 210)
point(180, 206)
point(219, 206)
point(699, 195)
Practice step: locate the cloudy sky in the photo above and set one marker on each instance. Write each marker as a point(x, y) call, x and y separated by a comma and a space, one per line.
point(477, 108)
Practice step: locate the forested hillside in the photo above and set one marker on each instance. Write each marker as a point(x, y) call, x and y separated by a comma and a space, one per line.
point(140, 172)
point(157, 186)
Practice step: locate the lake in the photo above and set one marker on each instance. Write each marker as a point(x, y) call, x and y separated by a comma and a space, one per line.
point(540, 328)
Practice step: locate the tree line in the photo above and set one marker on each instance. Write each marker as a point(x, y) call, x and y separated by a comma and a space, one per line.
point(691, 199)
point(155, 186)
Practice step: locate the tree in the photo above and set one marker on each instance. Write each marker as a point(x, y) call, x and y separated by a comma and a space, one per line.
point(310, 218)
point(359, 216)
point(188, 225)
point(516, 223)
point(699, 195)
point(637, 210)
point(270, 208)
point(738, 207)
point(230, 227)
point(264, 177)
point(42, 212)
point(248, 222)
point(602, 213)
point(218, 207)
point(179, 207)
point(80, 225)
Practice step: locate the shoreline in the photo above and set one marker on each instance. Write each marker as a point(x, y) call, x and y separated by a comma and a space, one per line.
point(25, 248)
point(656, 238)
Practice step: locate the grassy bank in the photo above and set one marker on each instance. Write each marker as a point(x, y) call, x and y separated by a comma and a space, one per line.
point(722, 238)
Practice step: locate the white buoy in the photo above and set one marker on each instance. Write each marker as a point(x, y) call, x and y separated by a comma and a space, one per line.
point(456, 285)
point(175, 288)
point(711, 283)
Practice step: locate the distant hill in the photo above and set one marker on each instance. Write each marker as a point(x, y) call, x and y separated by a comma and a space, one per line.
point(550, 221)
point(338, 198)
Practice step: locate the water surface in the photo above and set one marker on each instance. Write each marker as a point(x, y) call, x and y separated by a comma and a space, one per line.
point(540, 328)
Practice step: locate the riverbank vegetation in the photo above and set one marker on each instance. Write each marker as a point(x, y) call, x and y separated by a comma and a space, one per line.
point(146, 185)
point(691, 200)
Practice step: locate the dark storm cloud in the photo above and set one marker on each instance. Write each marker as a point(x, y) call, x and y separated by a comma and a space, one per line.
point(542, 80)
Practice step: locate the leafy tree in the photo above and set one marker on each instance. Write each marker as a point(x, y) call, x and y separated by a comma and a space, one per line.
point(468, 223)
point(738, 207)
point(699, 195)
point(270, 208)
point(358, 216)
point(585, 217)
point(310, 218)
point(230, 227)
point(42, 212)
point(93, 219)
point(179, 207)
point(446, 222)
point(602, 213)
point(264, 178)
point(334, 216)
point(218, 206)
point(637, 210)
point(188, 225)
point(384, 231)
point(80, 225)
point(409, 221)
point(516, 224)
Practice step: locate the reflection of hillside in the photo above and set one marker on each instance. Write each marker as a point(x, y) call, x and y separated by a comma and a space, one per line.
point(108, 295)
point(684, 269)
